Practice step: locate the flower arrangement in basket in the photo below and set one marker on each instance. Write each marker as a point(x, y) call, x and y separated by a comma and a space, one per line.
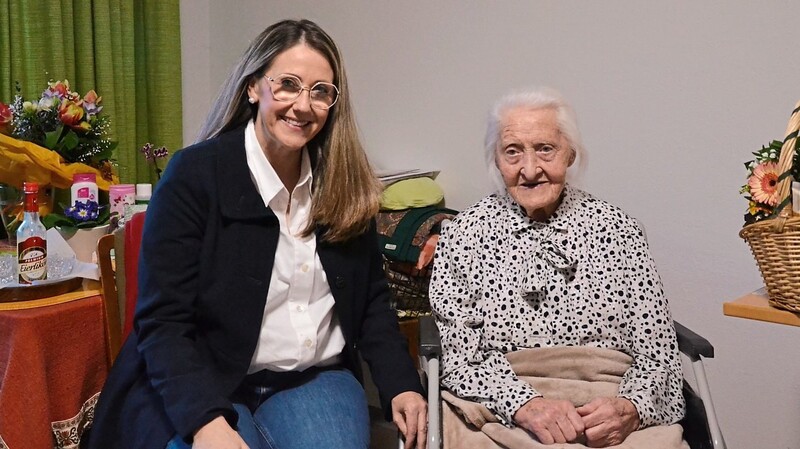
point(771, 230)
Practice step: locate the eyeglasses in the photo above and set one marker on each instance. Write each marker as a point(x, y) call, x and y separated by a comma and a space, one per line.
point(287, 88)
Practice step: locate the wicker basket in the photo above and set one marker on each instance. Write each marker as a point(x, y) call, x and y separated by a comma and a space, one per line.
point(775, 242)
point(408, 287)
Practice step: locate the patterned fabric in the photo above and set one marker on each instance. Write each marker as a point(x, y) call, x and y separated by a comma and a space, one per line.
point(68, 433)
point(502, 282)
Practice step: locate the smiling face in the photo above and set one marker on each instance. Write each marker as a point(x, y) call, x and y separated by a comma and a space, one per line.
point(533, 156)
point(283, 128)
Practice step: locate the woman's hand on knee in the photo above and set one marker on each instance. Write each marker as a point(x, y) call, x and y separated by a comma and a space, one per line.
point(218, 434)
point(550, 420)
point(608, 421)
point(410, 414)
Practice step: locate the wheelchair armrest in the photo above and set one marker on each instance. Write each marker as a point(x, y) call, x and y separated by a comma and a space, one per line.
point(430, 344)
point(691, 344)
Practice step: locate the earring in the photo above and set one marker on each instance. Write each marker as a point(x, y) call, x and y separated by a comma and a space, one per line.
point(251, 100)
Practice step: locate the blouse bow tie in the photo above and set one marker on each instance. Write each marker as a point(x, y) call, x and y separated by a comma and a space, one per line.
point(550, 254)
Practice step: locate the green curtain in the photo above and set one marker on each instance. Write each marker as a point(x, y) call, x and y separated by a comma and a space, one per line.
point(128, 51)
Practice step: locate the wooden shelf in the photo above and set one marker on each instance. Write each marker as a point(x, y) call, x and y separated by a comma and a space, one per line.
point(755, 306)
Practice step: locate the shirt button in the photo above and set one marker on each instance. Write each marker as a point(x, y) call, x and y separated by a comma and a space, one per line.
point(301, 309)
point(304, 268)
point(308, 342)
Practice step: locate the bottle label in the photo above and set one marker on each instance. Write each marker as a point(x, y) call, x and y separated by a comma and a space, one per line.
point(83, 193)
point(32, 260)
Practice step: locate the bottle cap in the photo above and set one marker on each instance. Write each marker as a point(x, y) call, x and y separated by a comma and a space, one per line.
point(30, 187)
point(122, 189)
point(144, 191)
point(84, 177)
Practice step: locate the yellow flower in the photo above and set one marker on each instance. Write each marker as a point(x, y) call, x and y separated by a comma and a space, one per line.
point(764, 183)
point(755, 208)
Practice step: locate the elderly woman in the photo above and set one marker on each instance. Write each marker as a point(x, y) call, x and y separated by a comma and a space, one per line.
point(542, 264)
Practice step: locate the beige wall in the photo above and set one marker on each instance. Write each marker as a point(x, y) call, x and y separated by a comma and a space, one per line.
point(671, 96)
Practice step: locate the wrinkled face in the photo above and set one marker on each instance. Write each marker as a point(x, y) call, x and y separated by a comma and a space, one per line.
point(533, 156)
point(284, 127)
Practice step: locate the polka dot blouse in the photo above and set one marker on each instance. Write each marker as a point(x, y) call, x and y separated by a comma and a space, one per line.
point(502, 282)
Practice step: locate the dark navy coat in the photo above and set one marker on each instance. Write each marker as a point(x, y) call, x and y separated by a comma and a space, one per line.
point(204, 270)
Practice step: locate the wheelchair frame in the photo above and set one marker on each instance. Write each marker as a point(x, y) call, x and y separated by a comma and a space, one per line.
point(705, 434)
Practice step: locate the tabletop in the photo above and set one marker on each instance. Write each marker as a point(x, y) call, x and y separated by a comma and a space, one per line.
point(53, 363)
point(755, 306)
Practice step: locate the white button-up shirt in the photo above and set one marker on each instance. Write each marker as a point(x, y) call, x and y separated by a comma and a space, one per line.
point(300, 328)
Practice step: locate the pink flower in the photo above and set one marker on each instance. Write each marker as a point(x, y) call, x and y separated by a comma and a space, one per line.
point(58, 89)
point(91, 97)
point(5, 118)
point(91, 103)
point(764, 183)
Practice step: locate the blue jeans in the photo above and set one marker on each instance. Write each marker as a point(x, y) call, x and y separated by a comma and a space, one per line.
point(329, 410)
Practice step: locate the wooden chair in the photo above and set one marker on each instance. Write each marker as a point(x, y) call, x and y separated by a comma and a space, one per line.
point(108, 287)
point(119, 315)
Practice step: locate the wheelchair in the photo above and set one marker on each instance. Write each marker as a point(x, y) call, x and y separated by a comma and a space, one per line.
point(700, 427)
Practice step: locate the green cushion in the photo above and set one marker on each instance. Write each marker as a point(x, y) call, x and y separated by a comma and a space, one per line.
point(414, 192)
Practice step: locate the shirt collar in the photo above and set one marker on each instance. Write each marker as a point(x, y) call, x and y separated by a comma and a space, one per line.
point(267, 182)
point(559, 221)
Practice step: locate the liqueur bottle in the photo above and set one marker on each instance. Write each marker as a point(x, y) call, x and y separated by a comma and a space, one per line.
point(31, 239)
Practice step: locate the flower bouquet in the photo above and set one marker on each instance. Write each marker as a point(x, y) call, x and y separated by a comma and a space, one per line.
point(763, 178)
point(51, 138)
point(771, 230)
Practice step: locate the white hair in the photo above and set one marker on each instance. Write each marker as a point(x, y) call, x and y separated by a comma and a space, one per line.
point(532, 98)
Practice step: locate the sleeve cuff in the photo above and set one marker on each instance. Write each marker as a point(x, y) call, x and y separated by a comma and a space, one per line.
point(639, 404)
point(512, 399)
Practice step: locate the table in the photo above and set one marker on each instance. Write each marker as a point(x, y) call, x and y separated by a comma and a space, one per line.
point(53, 364)
point(755, 306)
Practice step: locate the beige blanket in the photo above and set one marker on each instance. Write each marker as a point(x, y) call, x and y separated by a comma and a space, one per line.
point(578, 374)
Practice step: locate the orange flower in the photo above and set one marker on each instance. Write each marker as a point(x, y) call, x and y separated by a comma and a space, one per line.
point(764, 183)
point(71, 114)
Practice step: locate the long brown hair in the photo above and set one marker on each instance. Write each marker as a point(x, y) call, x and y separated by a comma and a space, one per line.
point(346, 193)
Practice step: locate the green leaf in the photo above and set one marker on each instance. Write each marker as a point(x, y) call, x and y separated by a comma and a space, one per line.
point(784, 175)
point(103, 155)
point(51, 220)
point(51, 138)
point(71, 140)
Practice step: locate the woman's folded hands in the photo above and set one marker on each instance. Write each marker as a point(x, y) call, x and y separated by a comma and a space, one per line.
point(600, 423)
